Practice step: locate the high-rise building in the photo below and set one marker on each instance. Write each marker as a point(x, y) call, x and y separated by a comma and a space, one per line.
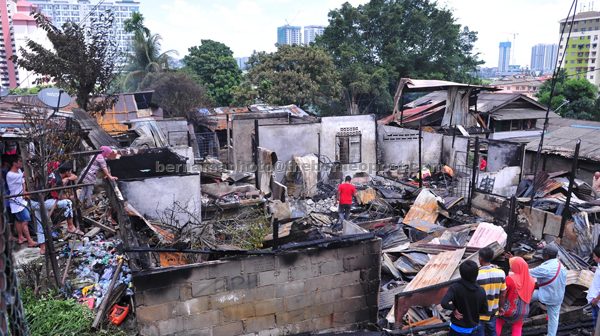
point(25, 29)
point(9, 76)
point(242, 62)
point(543, 57)
point(311, 32)
point(62, 11)
point(289, 35)
point(581, 50)
point(504, 57)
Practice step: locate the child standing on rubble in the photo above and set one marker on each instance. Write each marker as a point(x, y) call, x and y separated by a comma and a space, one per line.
point(593, 296)
point(98, 165)
point(520, 286)
point(466, 300)
point(346, 191)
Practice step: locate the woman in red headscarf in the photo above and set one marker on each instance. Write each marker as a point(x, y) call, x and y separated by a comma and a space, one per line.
point(519, 289)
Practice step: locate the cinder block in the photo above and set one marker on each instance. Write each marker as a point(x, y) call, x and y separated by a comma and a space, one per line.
point(325, 282)
point(238, 312)
point(370, 274)
point(359, 262)
point(259, 323)
point(267, 307)
point(272, 277)
point(349, 305)
point(196, 332)
point(204, 320)
point(289, 289)
point(348, 278)
point(258, 264)
point(161, 295)
point(290, 317)
point(319, 310)
point(298, 302)
point(302, 271)
point(192, 306)
point(321, 255)
point(330, 267)
point(328, 296)
point(185, 291)
point(261, 293)
point(244, 281)
point(322, 323)
point(226, 299)
point(150, 314)
point(148, 329)
point(372, 247)
point(171, 327)
point(208, 287)
point(354, 290)
point(230, 329)
point(225, 268)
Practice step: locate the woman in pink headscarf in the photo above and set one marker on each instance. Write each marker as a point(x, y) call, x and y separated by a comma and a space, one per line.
point(519, 289)
point(99, 164)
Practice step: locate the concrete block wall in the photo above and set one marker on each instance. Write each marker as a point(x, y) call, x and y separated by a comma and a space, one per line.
point(314, 289)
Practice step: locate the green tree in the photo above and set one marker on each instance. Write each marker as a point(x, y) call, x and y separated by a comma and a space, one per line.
point(82, 60)
point(301, 75)
point(146, 56)
point(176, 93)
point(375, 44)
point(578, 97)
point(216, 68)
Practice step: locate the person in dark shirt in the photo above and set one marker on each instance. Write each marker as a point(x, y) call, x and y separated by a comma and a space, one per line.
point(466, 300)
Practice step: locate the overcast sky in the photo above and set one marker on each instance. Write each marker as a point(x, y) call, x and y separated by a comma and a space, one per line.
point(248, 25)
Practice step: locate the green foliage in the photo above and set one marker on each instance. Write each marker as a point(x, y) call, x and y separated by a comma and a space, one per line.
point(28, 91)
point(376, 44)
point(216, 68)
point(582, 97)
point(301, 75)
point(146, 56)
point(82, 60)
point(51, 315)
point(175, 92)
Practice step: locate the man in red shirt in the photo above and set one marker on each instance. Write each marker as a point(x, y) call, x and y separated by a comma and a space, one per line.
point(345, 192)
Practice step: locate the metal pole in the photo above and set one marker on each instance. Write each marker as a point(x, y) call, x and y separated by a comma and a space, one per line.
point(567, 211)
point(50, 189)
point(512, 222)
point(87, 169)
point(228, 142)
point(474, 171)
point(255, 150)
point(420, 167)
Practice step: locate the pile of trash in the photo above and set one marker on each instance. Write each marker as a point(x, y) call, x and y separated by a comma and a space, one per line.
point(94, 263)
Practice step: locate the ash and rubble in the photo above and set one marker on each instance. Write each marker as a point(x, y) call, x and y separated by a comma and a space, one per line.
point(178, 210)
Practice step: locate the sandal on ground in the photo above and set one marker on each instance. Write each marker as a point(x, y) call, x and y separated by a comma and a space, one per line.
point(76, 232)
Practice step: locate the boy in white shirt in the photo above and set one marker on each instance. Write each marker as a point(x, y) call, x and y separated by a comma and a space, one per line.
point(593, 296)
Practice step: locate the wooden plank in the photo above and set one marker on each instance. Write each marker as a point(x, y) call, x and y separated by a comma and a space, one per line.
point(98, 224)
point(439, 269)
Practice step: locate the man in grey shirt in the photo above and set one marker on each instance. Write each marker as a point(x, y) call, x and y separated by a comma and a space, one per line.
point(551, 282)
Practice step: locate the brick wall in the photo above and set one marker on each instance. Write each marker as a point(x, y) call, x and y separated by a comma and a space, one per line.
point(317, 288)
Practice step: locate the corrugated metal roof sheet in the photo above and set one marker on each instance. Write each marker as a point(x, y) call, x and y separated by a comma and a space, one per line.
point(516, 114)
point(439, 269)
point(562, 142)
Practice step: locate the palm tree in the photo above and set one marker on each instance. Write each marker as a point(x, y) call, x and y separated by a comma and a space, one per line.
point(145, 57)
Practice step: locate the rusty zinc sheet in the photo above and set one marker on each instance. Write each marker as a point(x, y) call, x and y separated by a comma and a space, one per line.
point(424, 212)
point(439, 269)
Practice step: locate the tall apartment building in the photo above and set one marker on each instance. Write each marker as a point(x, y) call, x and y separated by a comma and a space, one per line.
point(9, 76)
point(580, 51)
point(289, 35)
point(543, 57)
point(504, 57)
point(61, 11)
point(311, 32)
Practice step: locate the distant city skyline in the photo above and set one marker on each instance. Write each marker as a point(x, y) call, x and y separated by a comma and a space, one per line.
point(543, 57)
point(504, 56)
point(488, 18)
